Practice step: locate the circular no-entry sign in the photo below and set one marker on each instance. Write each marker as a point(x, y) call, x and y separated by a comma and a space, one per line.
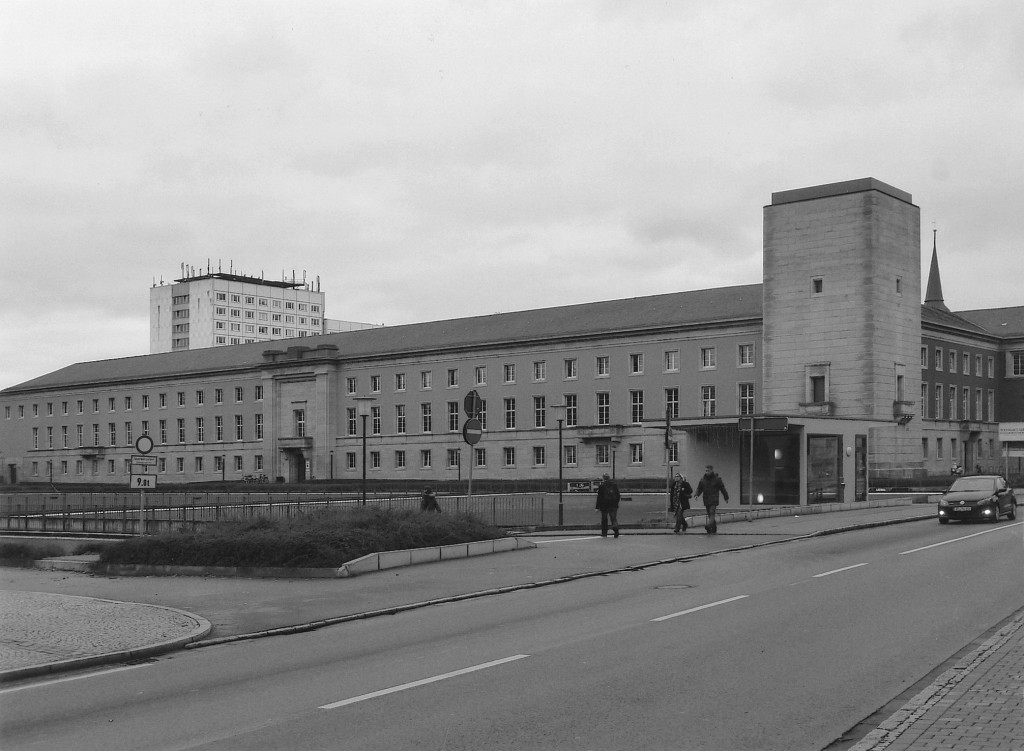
point(144, 444)
point(472, 431)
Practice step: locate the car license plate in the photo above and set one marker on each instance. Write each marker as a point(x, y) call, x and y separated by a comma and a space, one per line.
point(962, 508)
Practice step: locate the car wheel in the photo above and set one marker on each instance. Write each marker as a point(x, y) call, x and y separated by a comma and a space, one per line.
point(1013, 512)
point(995, 516)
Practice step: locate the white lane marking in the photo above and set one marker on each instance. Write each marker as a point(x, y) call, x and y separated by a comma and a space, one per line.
point(54, 681)
point(839, 570)
point(424, 682)
point(694, 610)
point(565, 539)
point(959, 539)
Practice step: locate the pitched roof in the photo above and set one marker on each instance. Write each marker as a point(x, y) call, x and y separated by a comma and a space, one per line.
point(674, 310)
point(1002, 322)
point(935, 316)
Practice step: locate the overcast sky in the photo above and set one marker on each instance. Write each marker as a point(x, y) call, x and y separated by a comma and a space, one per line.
point(432, 160)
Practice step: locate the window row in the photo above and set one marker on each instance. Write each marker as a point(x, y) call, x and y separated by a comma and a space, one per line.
point(128, 403)
point(955, 361)
point(957, 403)
point(198, 465)
point(541, 411)
point(983, 448)
point(263, 302)
point(570, 370)
point(113, 435)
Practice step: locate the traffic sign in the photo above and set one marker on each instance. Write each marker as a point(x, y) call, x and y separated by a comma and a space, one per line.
point(143, 482)
point(472, 431)
point(144, 444)
point(473, 404)
point(144, 461)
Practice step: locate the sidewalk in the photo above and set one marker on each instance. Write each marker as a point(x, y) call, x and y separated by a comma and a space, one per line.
point(54, 620)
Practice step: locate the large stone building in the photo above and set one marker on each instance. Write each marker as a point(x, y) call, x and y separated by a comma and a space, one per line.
point(833, 358)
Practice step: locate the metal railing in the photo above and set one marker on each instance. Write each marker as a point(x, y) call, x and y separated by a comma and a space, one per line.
point(128, 514)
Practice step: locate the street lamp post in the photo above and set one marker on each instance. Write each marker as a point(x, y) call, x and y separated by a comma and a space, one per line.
point(363, 410)
point(560, 412)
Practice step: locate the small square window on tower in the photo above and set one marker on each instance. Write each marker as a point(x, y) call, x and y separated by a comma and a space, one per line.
point(817, 285)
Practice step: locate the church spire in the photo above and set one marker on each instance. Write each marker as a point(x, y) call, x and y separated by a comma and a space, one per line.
point(933, 295)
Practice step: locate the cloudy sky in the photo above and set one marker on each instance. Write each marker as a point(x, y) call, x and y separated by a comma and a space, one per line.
point(432, 160)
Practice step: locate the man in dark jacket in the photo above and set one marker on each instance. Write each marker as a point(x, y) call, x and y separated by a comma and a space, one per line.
point(710, 486)
point(608, 505)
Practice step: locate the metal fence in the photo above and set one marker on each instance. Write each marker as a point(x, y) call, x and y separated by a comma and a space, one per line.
point(130, 514)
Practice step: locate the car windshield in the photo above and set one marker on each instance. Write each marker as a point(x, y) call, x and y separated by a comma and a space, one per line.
point(973, 484)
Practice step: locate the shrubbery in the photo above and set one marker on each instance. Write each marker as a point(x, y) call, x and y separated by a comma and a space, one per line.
point(25, 554)
point(321, 540)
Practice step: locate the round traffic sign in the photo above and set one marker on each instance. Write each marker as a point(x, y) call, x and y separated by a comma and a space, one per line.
point(473, 404)
point(472, 431)
point(144, 444)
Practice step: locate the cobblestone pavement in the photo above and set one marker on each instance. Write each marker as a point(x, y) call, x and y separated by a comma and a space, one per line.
point(40, 630)
point(978, 704)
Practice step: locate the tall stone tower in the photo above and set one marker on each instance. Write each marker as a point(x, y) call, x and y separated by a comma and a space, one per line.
point(842, 310)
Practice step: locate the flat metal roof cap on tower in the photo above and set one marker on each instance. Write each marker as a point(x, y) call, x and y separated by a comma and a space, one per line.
point(839, 189)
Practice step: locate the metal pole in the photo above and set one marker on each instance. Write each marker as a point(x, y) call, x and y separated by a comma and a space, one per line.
point(142, 512)
point(560, 483)
point(364, 459)
point(750, 498)
point(668, 460)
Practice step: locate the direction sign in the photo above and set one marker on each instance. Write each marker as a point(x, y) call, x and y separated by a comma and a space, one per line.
point(472, 431)
point(473, 404)
point(142, 482)
point(144, 461)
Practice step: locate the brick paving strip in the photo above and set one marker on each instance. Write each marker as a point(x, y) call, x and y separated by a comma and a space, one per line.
point(91, 630)
point(977, 704)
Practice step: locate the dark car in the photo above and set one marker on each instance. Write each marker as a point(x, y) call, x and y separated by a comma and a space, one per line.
point(983, 497)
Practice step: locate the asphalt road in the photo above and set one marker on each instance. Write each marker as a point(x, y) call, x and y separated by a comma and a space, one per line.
point(784, 647)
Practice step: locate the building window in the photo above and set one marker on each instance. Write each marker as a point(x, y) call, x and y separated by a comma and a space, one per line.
point(938, 358)
point(602, 454)
point(480, 375)
point(817, 286)
point(602, 366)
point(181, 400)
point(509, 370)
point(375, 384)
point(924, 401)
point(113, 435)
point(636, 453)
point(426, 379)
point(991, 367)
point(673, 452)
point(707, 401)
point(539, 412)
point(350, 460)
point(426, 419)
point(746, 397)
point(636, 406)
point(299, 421)
point(258, 417)
point(540, 370)
point(453, 417)
point(350, 385)
point(425, 459)
point(350, 421)
point(924, 357)
point(400, 419)
point(479, 456)
point(571, 410)
point(937, 412)
point(510, 413)
point(162, 426)
point(604, 408)
point(538, 456)
point(965, 403)
point(454, 458)
point(399, 459)
point(374, 460)
point(924, 448)
point(672, 402)
point(181, 430)
point(708, 358)
point(569, 365)
point(636, 363)
point(952, 403)
point(672, 361)
point(952, 361)
point(453, 378)
point(510, 456)
point(399, 381)
point(1016, 364)
point(977, 366)
point(239, 428)
point(991, 406)
point(375, 420)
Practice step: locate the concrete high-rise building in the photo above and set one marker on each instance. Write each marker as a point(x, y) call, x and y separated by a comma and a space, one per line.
point(216, 308)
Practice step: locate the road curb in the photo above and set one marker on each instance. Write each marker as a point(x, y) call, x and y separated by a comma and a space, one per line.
point(313, 625)
point(203, 627)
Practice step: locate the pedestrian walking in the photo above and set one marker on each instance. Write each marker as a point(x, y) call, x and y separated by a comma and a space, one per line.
point(428, 501)
point(682, 491)
point(710, 487)
point(608, 505)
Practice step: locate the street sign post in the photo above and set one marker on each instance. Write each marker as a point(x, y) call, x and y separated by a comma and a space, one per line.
point(143, 482)
point(473, 404)
point(472, 431)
